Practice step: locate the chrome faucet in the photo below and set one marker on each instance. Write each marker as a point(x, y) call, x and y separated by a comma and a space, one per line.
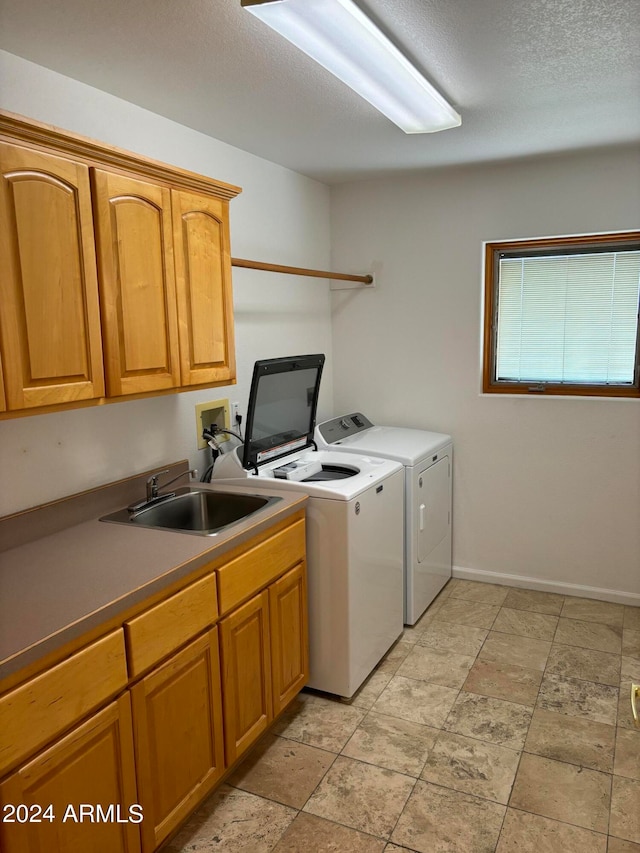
point(153, 495)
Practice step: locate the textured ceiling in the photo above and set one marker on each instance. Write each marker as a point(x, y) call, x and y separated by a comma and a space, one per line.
point(529, 77)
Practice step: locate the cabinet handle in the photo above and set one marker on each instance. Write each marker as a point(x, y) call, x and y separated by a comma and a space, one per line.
point(635, 695)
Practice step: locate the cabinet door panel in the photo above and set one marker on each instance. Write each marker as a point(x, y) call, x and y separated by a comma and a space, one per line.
point(246, 675)
point(137, 284)
point(50, 319)
point(177, 712)
point(91, 766)
point(203, 278)
point(289, 636)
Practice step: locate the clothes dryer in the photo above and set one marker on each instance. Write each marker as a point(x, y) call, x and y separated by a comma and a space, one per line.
point(354, 522)
point(427, 459)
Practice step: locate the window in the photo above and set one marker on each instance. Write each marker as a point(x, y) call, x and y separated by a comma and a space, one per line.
point(561, 316)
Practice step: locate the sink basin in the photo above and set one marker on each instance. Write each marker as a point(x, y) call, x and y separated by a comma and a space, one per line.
point(195, 511)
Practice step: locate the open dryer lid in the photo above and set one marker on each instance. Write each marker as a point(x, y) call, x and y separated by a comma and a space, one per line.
point(281, 415)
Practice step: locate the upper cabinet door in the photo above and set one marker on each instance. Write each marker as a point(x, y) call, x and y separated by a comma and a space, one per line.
point(50, 318)
point(137, 284)
point(203, 278)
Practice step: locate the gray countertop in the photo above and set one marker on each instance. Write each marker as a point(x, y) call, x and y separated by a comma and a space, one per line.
point(61, 585)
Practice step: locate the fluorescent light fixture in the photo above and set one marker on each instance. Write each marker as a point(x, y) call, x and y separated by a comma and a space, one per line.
point(340, 37)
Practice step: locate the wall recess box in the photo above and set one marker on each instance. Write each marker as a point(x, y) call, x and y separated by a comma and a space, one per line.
point(207, 414)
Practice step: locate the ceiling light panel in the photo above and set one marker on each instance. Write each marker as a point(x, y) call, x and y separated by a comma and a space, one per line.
point(340, 37)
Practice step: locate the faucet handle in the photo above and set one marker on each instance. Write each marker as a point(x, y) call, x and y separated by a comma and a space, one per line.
point(152, 484)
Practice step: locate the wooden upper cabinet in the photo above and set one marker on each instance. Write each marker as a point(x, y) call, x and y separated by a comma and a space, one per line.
point(137, 284)
point(203, 280)
point(50, 318)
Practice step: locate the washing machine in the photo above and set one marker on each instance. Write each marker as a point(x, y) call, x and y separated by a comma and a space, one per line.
point(354, 522)
point(427, 461)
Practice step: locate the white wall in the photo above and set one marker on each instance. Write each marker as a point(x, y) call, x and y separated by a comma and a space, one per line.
point(545, 489)
point(280, 217)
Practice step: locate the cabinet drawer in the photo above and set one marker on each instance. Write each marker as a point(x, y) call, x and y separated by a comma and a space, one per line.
point(167, 626)
point(243, 577)
point(34, 713)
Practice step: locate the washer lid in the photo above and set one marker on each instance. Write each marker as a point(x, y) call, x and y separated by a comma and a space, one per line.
point(405, 445)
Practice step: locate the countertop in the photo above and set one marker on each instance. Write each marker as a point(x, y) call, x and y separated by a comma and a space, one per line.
point(61, 585)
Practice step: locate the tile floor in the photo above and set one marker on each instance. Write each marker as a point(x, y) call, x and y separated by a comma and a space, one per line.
point(501, 722)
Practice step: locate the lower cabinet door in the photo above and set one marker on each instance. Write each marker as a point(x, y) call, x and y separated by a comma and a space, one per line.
point(177, 713)
point(289, 636)
point(79, 794)
point(246, 675)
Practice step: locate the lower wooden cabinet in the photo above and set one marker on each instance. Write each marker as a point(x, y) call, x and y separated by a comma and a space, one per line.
point(177, 713)
point(246, 674)
point(265, 659)
point(90, 767)
point(289, 636)
point(193, 699)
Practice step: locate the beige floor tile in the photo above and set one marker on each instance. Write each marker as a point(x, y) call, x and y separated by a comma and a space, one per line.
point(625, 809)
point(436, 666)
point(563, 792)
point(617, 845)
point(574, 740)
point(412, 633)
point(461, 639)
point(630, 669)
point(530, 833)
point(445, 592)
point(394, 657)
point(589, 635)
point(631, 617)
point(282, 770)
point(310, 833)
point(319, 722)
point(625, 717)
point(538, 626)
point(367, 695)
point(392, 743)
point(417, 701)
point(586, 664)
point(627, 761)
point(486, 593)
point(631, 643)
point(504, 681)
point(538, 602)
point(492, 720)
point(518, 651)
point(234, 821)
point(463, 612)
point(578, 698)
point(593, 611)
point(438, 820)
point(361, 796)
point(472, 767)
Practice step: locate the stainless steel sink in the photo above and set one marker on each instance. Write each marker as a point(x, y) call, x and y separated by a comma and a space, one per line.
point(195, 511)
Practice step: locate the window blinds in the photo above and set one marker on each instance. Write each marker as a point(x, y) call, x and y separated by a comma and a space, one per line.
point(568, 318)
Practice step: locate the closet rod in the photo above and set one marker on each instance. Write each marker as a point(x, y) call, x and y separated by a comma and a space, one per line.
point(259, 265)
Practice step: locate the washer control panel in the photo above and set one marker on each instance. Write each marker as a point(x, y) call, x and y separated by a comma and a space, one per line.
point(339, 428)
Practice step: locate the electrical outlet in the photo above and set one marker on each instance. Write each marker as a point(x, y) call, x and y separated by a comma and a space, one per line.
point(235, 410)
point(207, 414)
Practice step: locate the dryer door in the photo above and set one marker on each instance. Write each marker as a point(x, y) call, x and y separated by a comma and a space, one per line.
point(433, 507)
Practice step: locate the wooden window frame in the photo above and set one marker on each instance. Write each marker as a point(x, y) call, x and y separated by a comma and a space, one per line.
point(552, 245)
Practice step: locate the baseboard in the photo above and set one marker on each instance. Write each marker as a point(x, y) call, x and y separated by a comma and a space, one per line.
point(614, 595)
